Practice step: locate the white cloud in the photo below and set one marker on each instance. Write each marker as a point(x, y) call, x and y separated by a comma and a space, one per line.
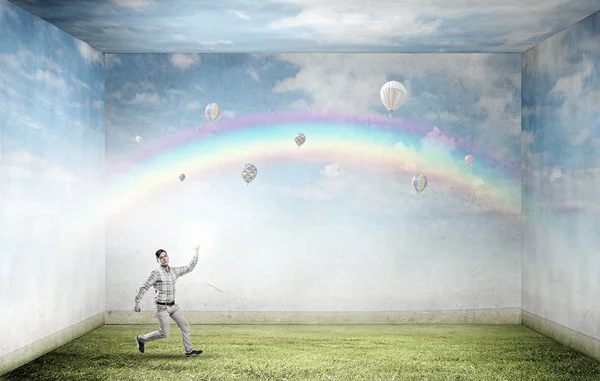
point(89, 53)
point(254, 74)
point(184, 61)
point(358, 22)
point(80, 83)
point(145, 92)
point(228, 114)
point(117, 95)
point(15, 61)
point(438, 137)
point(52, 65)
point(495, 107)
point(133, 4)
point(23, 165)
point(560, 190)
point(111, 60)
point(193, 105)
point(577, 102)
point(352, 21)
point(139, 85)
point(50, 79)
point(577, 139)
point(239, 14)
point(572, 85)
point(141, 98)
point(172, 93)
point(24, 120)
point(98, 104)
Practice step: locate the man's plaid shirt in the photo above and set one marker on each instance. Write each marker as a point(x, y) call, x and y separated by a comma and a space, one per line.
point(163, 280)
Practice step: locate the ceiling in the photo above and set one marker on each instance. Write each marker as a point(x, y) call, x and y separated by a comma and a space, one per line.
point(188, 26)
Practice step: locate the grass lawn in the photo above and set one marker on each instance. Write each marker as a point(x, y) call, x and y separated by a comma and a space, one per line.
point(315, 352)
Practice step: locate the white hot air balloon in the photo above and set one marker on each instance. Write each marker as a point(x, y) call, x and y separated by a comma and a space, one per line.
point(212, 111)
point(138, 139)
point(392, 95)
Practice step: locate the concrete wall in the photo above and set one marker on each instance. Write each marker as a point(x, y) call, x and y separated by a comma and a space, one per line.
point(561, 175)
point(334, 225)
point(52, 160)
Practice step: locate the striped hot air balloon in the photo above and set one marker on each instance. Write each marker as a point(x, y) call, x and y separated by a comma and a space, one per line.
point(212, 111)
point(419, 182)
point(392, 95)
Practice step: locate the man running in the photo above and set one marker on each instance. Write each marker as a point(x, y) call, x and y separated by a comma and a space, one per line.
point(163, 279)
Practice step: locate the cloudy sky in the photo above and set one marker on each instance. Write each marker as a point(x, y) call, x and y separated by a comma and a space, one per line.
point(561, 92)
point(51, 108)
point(132, 26)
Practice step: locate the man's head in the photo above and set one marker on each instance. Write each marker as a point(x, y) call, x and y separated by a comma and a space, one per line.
point(162, 257)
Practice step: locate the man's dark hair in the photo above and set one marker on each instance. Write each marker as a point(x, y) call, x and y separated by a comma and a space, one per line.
point(159, 252)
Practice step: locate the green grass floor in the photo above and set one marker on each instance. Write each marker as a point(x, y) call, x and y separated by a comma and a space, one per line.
point(315, 352)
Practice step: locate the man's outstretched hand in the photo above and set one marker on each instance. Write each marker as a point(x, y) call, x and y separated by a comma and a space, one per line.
point(137, 309)
point(197, 249)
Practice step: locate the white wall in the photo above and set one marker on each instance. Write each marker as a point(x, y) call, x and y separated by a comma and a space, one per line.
point(252, 266)
point(52, 155)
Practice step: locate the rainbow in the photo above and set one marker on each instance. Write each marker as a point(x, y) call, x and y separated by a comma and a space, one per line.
point(370, 141)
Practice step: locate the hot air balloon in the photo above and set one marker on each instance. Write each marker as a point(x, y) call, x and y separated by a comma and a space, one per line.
point(212, 111)
point(300, 139)
point(469, 160)
point(392, 95)
point(181, 177)
point(419, 182)
point(138, 139)
point(249, 173)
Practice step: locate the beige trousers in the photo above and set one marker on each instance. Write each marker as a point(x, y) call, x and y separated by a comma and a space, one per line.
point(162, 314)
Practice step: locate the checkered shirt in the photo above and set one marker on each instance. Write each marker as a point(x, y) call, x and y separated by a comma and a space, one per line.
point(163, 279)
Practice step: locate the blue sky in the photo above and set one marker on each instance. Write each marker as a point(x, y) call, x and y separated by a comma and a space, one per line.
point(130, 26)
point(51, 108)
point(482, 104)
point(561, 90)
point(561, 118)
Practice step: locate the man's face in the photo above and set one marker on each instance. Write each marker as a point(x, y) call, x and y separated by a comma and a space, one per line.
point(163, 259)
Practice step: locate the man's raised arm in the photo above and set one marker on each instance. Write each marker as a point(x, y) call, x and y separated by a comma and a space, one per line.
point(191, 266)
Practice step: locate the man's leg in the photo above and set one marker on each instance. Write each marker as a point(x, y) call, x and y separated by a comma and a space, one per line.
point(162, 315)
point(183, 325)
